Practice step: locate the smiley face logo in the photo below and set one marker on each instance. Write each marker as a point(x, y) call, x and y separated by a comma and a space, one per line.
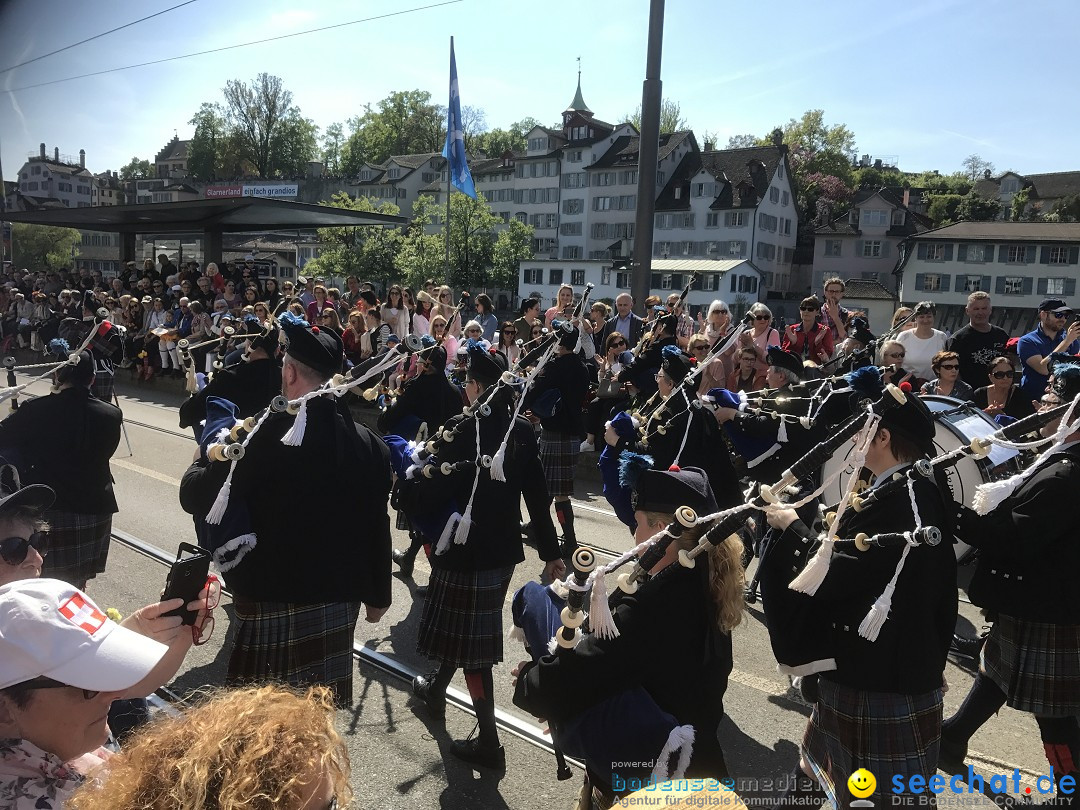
point(861, 783)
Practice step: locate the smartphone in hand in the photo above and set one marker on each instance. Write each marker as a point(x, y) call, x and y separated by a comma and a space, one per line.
point(186, 579)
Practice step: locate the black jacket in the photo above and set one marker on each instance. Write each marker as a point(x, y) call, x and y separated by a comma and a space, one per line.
point(1028, 554)
point(65, 440)
point(495, 538)
point(800, 440)
point(565, 373)
point(319, 511)
point(908, 656)
point(668, 644)
point(426, 398)
point(249, 386)
point(642, 372)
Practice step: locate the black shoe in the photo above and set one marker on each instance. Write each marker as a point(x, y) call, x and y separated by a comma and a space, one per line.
point(436, 704)
point(403, 561)
point(967, 648)
point(952, 755)
point(525, 526)
point(474, 753)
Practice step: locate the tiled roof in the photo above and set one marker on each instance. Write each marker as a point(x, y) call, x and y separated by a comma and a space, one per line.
point(411, 161)
point(624, 152)
point(863, 289)
point(1007, 231)
point(914, 223)
point(1049, 186)
point(175, 149)
point(64, 168)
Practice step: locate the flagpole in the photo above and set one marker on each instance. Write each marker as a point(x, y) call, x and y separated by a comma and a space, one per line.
point(449, 187)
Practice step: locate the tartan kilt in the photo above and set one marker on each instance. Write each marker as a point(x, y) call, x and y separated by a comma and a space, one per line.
point(295, 644)
point(884, 732)
point(558, 456)
point(78, 545)
point(462, 622)
point(1036, 665)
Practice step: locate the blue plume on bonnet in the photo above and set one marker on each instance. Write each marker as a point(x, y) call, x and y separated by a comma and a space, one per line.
point(631, 466)
point(866, 380)
point(289, 319)
point(59, 347)
point(670, 351)
point(427, 341)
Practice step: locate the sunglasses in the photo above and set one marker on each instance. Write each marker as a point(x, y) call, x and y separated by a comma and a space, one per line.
point(49, 683)
point(1001, 375)
point(762, 317)
point(510, 331)
point(1065, 314)
point(618, 343)
point(949, 367)
point(895, 354)
point(13, 550)
point(808, 309)
point(699, 348)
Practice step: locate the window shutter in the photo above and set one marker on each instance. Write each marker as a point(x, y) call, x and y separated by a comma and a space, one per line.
point(946, 279)
point(1070, 286)
point(742, 248)
point(920, 279)
point(948, 253)
point(1042, 286)
point(1074, 255)
point(886, 248)
point(858, 247)
point(1029, 254)
point(921, 253)
point(1003, 253)
point(1027, 285)
point(1044, 254)
point(654, 281)
point(961, 252)
point(999, 285)
point(734, 282)
point(697, 285)
point(984, 285)
point(988, 254)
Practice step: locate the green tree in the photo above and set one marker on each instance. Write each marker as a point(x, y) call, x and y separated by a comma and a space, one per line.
point(421, 255)
point(514, 138)
point(207, 150)
point(332, 144)
point(513, 245)
point(473, 125)
point(943, 208)
point(1020, 206)
point(43, 247)
point(937, 183)
point(266, 124)
point(367, 251)
point(870, 177)
point(671, 117)
point(295, 142)
point(136, 170)
point(974, 208)
point(742, 141)
point(1067, 209)
point(472, 241)
point(405, 122)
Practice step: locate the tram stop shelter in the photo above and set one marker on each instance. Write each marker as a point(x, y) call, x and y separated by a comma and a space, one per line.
point(211, 218)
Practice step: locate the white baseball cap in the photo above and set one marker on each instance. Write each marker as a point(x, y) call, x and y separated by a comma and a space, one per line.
point(51, 629)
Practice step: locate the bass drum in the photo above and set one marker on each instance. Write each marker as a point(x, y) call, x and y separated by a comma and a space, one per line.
point(956, 423)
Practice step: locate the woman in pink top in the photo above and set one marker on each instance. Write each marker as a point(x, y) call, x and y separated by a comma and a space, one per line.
point(760, 336)
point(564, 305)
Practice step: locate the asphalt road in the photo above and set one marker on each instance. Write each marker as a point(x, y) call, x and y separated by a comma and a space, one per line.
point(396, 750)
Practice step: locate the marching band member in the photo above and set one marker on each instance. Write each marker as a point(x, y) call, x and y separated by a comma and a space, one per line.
point(106, 346)
point(556, 397)
point(1025, 580)
point(298, 603)
point(880, 707)
point(461, 625)
point(630, 698)
point(641, 373)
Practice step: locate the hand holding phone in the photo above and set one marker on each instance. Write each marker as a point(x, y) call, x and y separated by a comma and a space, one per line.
point(186, 579)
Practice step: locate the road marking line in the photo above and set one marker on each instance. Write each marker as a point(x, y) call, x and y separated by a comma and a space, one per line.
point(127, 465)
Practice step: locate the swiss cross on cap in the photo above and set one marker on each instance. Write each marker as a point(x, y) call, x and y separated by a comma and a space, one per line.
point(83, 614)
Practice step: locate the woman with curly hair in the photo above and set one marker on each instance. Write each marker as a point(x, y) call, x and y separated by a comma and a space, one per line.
point(260, 748)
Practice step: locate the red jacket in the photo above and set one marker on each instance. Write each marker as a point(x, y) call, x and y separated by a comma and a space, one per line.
point(815, 344)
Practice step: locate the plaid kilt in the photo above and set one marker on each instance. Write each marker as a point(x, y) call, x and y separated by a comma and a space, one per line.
point(78, 545)
point(295, 644)
point(885, 733)
point(1036, 665)
point(558, 456)
point(462, 622)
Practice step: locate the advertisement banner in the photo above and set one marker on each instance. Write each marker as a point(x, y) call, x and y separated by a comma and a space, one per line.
point(216, 192)
point(265, 190)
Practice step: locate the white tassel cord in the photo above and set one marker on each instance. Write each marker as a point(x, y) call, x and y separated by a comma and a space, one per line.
point(584, 314)
point(294, 437)
point(990, 496)
point(447, 533)
point(680, 739)
point(191, 383)
point(73, 360)
point(686, 432)
point(221, 503)
point(810, 578)
point(461, 533)
point(601, 622)
point(781, 432)
point(874, 620)
point(498, 461)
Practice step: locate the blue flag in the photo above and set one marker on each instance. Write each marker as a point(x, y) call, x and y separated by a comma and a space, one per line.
point(454, 150)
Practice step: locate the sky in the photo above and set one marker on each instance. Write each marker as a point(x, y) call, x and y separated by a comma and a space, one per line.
point(926, 81)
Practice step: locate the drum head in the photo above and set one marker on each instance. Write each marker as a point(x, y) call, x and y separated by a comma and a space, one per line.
point(683, 794)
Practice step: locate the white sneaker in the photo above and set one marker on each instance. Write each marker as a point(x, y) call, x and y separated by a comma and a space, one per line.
point(587, 447)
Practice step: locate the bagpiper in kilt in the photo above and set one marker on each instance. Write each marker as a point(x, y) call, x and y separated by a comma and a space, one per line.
point(1025, 582)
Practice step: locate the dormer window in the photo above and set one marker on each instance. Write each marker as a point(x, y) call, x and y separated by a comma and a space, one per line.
point(898, 217)
point(394, 173)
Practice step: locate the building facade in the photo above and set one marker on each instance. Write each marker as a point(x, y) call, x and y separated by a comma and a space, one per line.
point(1017, 263)
point(56, 181)
point(1044, 190)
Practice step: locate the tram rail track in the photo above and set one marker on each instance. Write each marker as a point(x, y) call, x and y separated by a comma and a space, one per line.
point(529, 732)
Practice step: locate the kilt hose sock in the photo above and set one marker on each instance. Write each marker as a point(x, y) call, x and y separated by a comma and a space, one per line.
point(482, 692)
point(1061, 743)
point(983, 701)
point(564, 511)
point(441, 679)
point(802, 791)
